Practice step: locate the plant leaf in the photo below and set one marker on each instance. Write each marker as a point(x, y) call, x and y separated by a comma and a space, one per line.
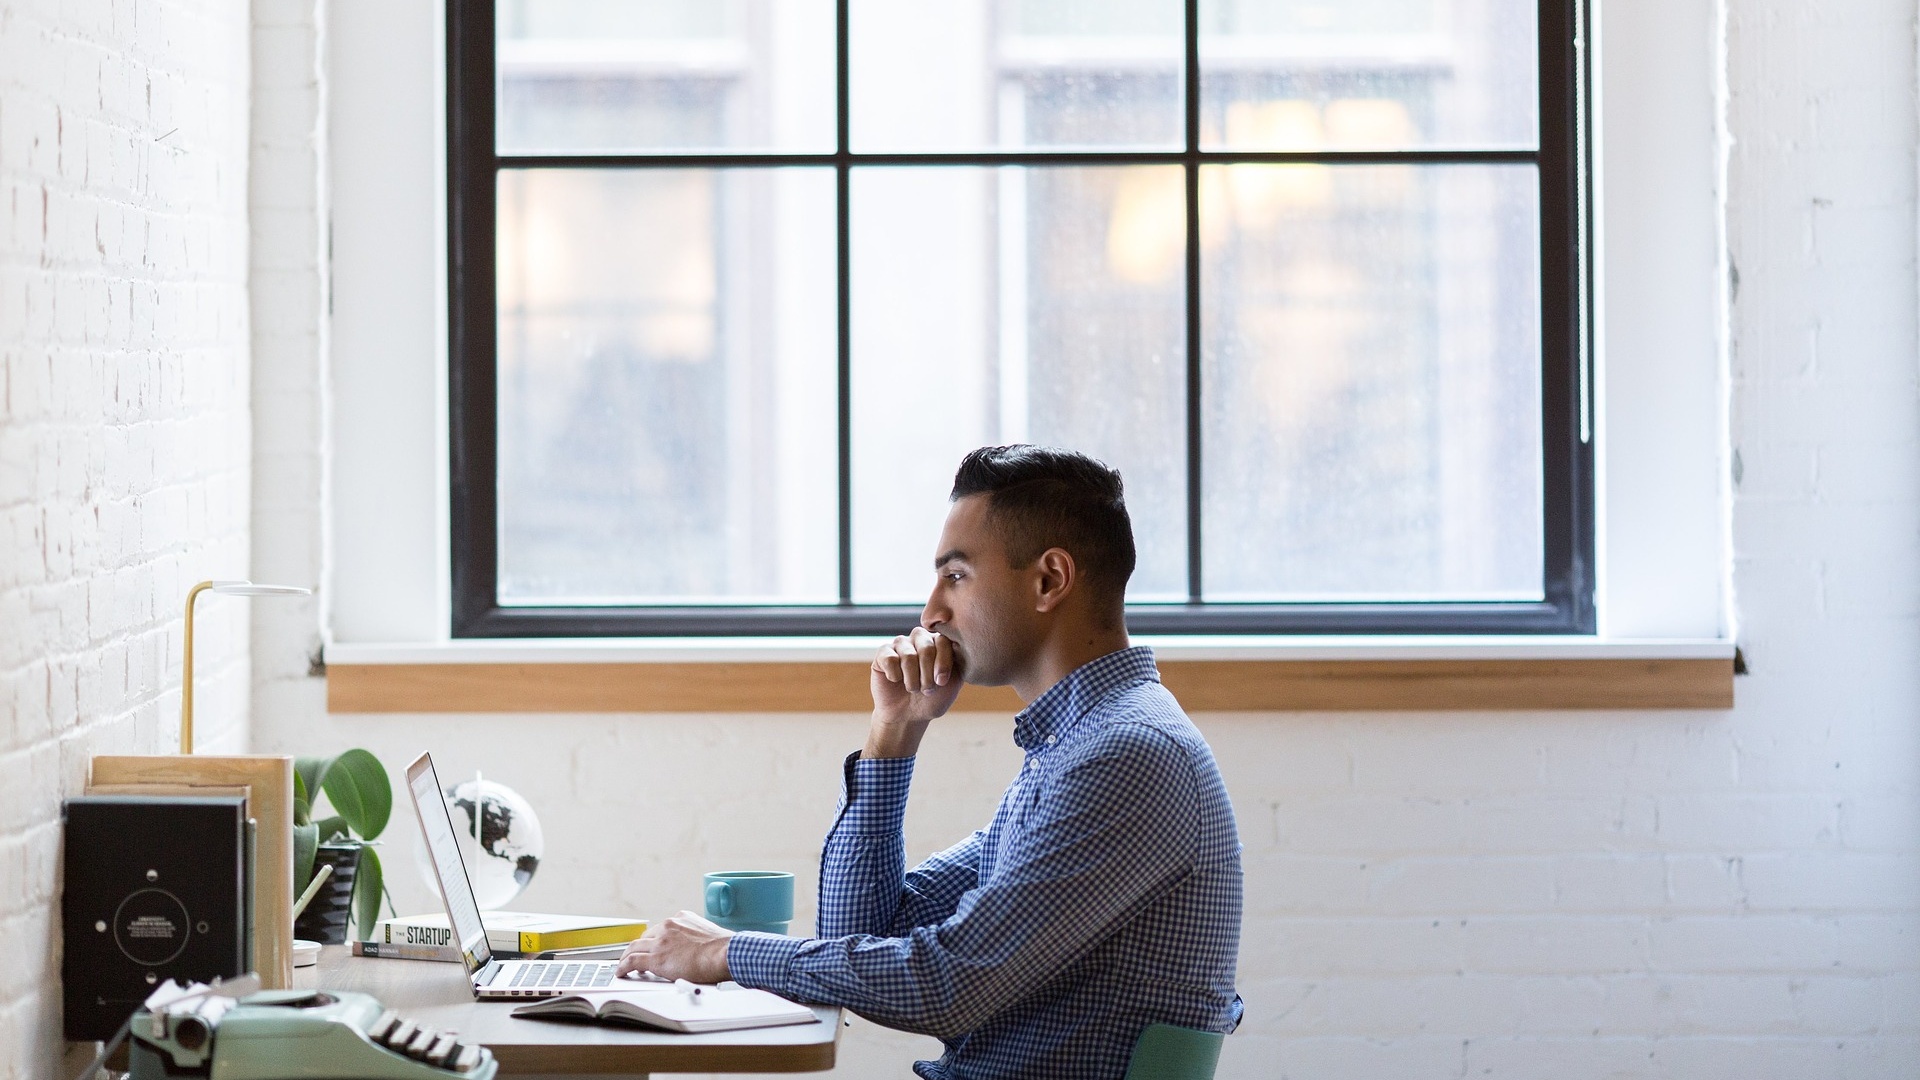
point(367, 887)
point(331, 828)
point(356, 785)
point(307, 773)
point(306, 844)
point(302, 802)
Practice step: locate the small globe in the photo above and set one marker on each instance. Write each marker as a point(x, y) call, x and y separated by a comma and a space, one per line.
point(500, 841)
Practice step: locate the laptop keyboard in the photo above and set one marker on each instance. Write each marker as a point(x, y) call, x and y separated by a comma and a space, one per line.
point(560, 976)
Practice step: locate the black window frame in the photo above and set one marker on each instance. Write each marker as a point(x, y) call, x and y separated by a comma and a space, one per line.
point(1566, 218)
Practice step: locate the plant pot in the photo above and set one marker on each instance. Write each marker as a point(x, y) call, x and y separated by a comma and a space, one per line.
point(331, 909)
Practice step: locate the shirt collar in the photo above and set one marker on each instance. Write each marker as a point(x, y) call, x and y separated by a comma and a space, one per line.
point(1053, 712)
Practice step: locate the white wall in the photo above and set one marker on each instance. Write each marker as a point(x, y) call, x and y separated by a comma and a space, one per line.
point(290, 296)
point(124, 424)
point(389, 310)
point(1661, 466)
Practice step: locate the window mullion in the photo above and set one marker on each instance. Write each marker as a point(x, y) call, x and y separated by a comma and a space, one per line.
point(1192, 168)
point(844, 272)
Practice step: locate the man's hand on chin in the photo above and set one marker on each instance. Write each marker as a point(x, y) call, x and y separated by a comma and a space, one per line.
point(915, 680)
point(685, 946)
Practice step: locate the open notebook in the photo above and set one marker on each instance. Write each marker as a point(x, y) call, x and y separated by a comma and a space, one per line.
point(667, 1006)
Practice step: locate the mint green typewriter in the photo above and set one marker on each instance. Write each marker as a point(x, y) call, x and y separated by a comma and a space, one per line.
point(298, 1035)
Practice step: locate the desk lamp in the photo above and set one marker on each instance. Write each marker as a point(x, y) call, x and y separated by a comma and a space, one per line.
point(227, 588)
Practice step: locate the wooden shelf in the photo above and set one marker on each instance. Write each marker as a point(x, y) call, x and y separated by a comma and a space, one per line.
point(1201, 686)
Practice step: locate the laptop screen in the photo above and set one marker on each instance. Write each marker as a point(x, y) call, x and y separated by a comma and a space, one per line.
point(443, 847)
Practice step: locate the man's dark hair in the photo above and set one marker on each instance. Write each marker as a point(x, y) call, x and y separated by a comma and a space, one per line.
point(1043, 497)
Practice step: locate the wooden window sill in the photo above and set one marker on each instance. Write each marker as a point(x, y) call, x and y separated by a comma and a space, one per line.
point(1207, 675)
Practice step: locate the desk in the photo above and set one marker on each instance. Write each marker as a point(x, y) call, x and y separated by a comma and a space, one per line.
point(438, 994)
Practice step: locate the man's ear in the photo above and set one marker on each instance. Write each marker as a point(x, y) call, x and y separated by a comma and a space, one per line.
point(1056, 579)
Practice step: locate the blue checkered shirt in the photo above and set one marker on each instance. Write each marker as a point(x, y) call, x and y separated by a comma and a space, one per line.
point(1103, 897)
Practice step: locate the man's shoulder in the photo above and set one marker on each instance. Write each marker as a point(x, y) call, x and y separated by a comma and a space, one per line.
point(1140, 720)
point(1144, 705)
point(1138, 749)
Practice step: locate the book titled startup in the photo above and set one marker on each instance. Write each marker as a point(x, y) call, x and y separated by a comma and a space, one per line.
point(440, 936)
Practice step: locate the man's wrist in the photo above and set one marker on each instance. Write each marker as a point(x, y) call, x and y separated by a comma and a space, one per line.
point(763, 961)
point(894, 740)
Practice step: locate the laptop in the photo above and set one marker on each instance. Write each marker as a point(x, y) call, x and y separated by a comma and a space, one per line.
point(492, 978)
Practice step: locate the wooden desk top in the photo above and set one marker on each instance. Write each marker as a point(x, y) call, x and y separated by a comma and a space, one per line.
point(438, 994)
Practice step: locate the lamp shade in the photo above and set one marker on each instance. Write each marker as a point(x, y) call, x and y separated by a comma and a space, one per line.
point(248, 588)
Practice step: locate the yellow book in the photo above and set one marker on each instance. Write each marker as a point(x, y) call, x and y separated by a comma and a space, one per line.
point(585, 937)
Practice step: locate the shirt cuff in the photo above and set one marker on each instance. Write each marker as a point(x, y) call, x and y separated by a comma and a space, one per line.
point(875, 799)
point(762, 961)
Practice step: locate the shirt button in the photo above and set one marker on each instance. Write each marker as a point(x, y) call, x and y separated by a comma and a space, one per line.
point(1051, 739)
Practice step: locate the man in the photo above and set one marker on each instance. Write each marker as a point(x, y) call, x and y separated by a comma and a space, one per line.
point(1105, 894)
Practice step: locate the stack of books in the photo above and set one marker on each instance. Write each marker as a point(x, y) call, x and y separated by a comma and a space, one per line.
point(509, 933)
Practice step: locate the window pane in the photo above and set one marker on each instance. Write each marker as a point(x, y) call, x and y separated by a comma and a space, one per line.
point(1368, 74)
point(1014, 305)
point(667, 426)
point(637, 76)
point(974, 74)
point(1372, 382)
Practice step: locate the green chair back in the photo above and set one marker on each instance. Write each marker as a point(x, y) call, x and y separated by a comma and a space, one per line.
point(1165, 1052)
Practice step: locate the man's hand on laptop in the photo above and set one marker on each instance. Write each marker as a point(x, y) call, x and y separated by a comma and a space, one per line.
point(685, 946)
point(915, 680)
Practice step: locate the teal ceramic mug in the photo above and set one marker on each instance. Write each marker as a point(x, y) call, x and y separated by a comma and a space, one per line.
point(750, 899)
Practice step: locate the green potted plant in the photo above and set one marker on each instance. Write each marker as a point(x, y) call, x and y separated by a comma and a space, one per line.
point(361, 801)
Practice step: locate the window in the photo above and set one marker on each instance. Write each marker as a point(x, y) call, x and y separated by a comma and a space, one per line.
point(735, 284)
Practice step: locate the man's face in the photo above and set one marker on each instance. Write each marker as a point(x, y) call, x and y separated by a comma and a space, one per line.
point(980, 601)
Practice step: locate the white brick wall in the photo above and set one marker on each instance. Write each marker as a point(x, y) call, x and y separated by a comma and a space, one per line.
point(124, 427)
point(1712, 894)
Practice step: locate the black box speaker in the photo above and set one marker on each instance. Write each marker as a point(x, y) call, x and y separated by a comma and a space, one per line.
point(156, 889)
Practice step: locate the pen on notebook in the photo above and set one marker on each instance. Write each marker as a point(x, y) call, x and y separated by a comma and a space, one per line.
point(692, 991)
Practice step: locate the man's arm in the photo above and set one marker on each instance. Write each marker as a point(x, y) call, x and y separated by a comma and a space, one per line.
point(914, 679)
point(1096, 854)
point(863, 889)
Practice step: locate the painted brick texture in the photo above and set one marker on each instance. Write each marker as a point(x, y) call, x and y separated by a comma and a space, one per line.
point(124, 428)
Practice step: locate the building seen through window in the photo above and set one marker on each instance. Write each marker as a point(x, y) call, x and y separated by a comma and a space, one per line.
point(1371, 329)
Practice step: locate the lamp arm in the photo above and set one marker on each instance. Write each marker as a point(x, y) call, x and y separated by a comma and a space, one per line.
point(186, 672)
